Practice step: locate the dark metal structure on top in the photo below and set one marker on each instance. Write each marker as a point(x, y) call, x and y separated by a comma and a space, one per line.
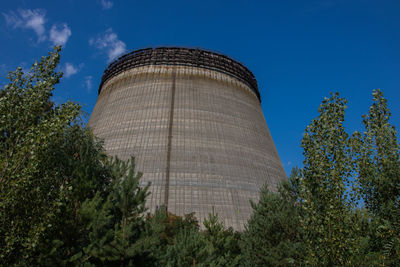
point(181, 57)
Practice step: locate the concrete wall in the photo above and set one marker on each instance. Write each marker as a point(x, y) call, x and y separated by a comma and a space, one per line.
point(199, 136)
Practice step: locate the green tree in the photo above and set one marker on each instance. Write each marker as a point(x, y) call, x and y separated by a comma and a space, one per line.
point(378, 161)
point(189, 249)
point(330, 226)
point(172, 232)
point(128, 199)
point(31, 188)
point(273, 236)
point(116, 224)
point(81, 163)
point(62, 201)
point(223, 243)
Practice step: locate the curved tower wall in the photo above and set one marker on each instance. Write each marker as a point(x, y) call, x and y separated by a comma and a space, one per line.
point(198, 135)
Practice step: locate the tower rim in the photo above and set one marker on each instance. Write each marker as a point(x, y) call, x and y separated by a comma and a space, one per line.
point(181, 56)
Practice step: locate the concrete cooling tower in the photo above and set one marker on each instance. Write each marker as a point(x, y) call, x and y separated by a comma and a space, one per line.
point(193, 120)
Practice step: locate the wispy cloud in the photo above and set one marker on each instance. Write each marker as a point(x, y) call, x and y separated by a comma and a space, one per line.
point(33, 19)
point(88, 83)
point(60, 35)
point(109, 43)
point(106, 4)
point(69, 69)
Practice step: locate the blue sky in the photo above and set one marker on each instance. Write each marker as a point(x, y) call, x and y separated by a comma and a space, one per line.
point(299, 51)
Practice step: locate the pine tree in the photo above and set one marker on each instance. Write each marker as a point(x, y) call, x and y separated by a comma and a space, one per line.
point(189, 249)
point(117, 224)
point(273, 236)
point(223, 243)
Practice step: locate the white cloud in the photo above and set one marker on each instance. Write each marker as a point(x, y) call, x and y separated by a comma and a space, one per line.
point(69, 69)
point(33, 19)
point(60, 35)
point(109, 43)
point(88, 83)
point(106, 4)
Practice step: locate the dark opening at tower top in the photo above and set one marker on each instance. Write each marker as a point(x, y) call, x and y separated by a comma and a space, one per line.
point(179, 56)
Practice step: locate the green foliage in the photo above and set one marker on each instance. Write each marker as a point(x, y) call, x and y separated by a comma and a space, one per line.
point(160, 233)
point(378, 161)
point(115, 224)
point(64, 202)
point(327, 219)
point(171, 224)
point(182, 244)
point(31, 188)
point(82, 164)
point(223, 243)
point(273, 236)
point(128, 198)
point(189, 249)
point(338, 171)
point(61, 200)
point(168, 230)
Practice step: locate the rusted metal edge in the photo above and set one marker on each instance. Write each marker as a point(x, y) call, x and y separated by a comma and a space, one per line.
point(181, 57)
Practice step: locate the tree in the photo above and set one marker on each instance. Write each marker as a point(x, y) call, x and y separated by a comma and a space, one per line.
point(83, 165)
point(329, 225)
point(189, 249)
point(377, 155)
point(116, 223)
point(223, 243)
point(30, 185)
point(273, 236)
point(62, 200)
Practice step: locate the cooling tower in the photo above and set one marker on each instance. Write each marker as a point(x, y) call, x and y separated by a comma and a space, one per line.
point(193, 120)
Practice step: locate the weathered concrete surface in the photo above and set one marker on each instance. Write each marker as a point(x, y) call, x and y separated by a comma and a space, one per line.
point(199, 136)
